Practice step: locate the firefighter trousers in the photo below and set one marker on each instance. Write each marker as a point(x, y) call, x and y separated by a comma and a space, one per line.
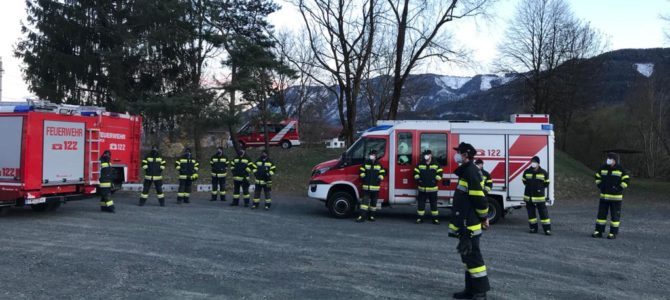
point(218, 188)
point(106, 203)
point(614, 210)
point(541, 209)
point(369, 203)
point(421, 204)
point(146, 187)
point(184, 191)
point(476, 278)
point(267, 189)
point(241, 186)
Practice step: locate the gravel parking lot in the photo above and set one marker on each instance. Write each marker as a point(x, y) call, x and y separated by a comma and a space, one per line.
point(208, 250)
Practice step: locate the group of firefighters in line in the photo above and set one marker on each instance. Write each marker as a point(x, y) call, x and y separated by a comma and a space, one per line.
point(470, 207)
point(242, 167)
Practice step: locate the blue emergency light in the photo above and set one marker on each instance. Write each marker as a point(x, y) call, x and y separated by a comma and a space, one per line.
point(547, 127)
point(89, 113)
point(23, 108)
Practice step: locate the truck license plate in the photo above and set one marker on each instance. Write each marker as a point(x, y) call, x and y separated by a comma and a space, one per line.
point(36, 200)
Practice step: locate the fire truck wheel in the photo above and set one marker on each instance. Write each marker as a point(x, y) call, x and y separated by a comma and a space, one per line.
point(4, 210)
point(341, 205)
point(285, 144)
point(495, 210)
point(39, 207)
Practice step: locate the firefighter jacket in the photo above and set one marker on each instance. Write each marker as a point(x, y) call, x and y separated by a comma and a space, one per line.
point(371, 173)
point(241, 168)
point(536, 181)
point(470, 204)
point(263, 170)
point(427, 176)
point(612, 180)
point(219, 164)
point(487, 181)
point(106, 172)
point(153, 166)
point(187, 167)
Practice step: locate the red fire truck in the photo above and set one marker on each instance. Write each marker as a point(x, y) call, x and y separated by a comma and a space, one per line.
point(283, 134)
point(505, 147)
point(50, 152)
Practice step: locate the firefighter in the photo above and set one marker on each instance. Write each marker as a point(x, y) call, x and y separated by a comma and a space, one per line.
point(427, 174)
point(611, 180)
point(188, 172)
point(470, 217)
point(263, 170)
point(153, 166)
point(219, 164)
point(536, 181)
point(241, 169)
point(106, 179)
point(372, 174)
point(487, 181)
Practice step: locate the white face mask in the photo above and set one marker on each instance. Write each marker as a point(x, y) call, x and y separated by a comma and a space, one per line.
point(426, 157)
point(372, 157)
point(610, 161)
point(480, 166)
point(534, 165)
point(458, 158)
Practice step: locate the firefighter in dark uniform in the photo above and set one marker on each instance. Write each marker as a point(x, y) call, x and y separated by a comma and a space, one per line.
point(427, 174)
point(219, 164)
point(263, 170)
point(486, 176)
point(106, 179)
point(470, 217)
point(536, 181)
point(188, 172)
point(153, 166)
point(611, 180)
point(372, 174)
point(241, 166)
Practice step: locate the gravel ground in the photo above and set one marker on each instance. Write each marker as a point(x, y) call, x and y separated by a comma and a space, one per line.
point(208, 250)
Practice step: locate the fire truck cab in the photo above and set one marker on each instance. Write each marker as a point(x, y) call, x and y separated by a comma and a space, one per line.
point(50, 152)
point(505, 147)
point(283, 134)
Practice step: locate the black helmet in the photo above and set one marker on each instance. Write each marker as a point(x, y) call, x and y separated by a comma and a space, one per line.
point(372, 152)
point(479, 162)
point(427, 152)
point(535, 159)
point(613, 155)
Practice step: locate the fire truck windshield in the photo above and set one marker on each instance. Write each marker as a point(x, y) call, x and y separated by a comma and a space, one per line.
point(356, 154)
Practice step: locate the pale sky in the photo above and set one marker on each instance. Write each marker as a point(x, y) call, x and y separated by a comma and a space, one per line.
point(629, 24)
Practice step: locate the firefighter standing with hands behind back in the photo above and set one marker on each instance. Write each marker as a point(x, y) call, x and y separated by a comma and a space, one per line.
point(611, 180)
point(371, 173)
point(536, 181)
point(188, 172)
point(241, 171)
point(153, 166)
point(219, 164)
point(106, 179)
point(470, 217)
point(264, 169)
point(427, 174)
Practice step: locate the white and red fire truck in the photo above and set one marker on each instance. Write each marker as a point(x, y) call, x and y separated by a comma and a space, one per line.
point(505, 147)
point(50, 152)
point(283, 134)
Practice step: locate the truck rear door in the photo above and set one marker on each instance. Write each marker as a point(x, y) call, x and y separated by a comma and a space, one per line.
point(63, 148)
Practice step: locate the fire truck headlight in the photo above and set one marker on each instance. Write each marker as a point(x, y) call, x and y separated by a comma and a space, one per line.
point(321, 171)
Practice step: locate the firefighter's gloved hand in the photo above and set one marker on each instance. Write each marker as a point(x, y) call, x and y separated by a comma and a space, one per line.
point(464, 246)
point(194, 177)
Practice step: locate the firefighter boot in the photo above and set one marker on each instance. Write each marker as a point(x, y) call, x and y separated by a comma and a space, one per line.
point(178, 200)
point(466, 293)
point(186, 201)
point(436, 221)
point(419, 220)
point(246, 202)
point(371, 216)
point(361, 217)
point(479, 296)
point(213, 197)
point(235, 202)
point(267, 206)
point(597, 234)
point(142, 201)
point(611, 236)
point(254, 206)
point(161, 202)
point(223, 197)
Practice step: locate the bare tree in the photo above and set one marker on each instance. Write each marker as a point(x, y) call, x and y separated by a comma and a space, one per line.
point(543, 35)
point(420, 35)
point(341, 35)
